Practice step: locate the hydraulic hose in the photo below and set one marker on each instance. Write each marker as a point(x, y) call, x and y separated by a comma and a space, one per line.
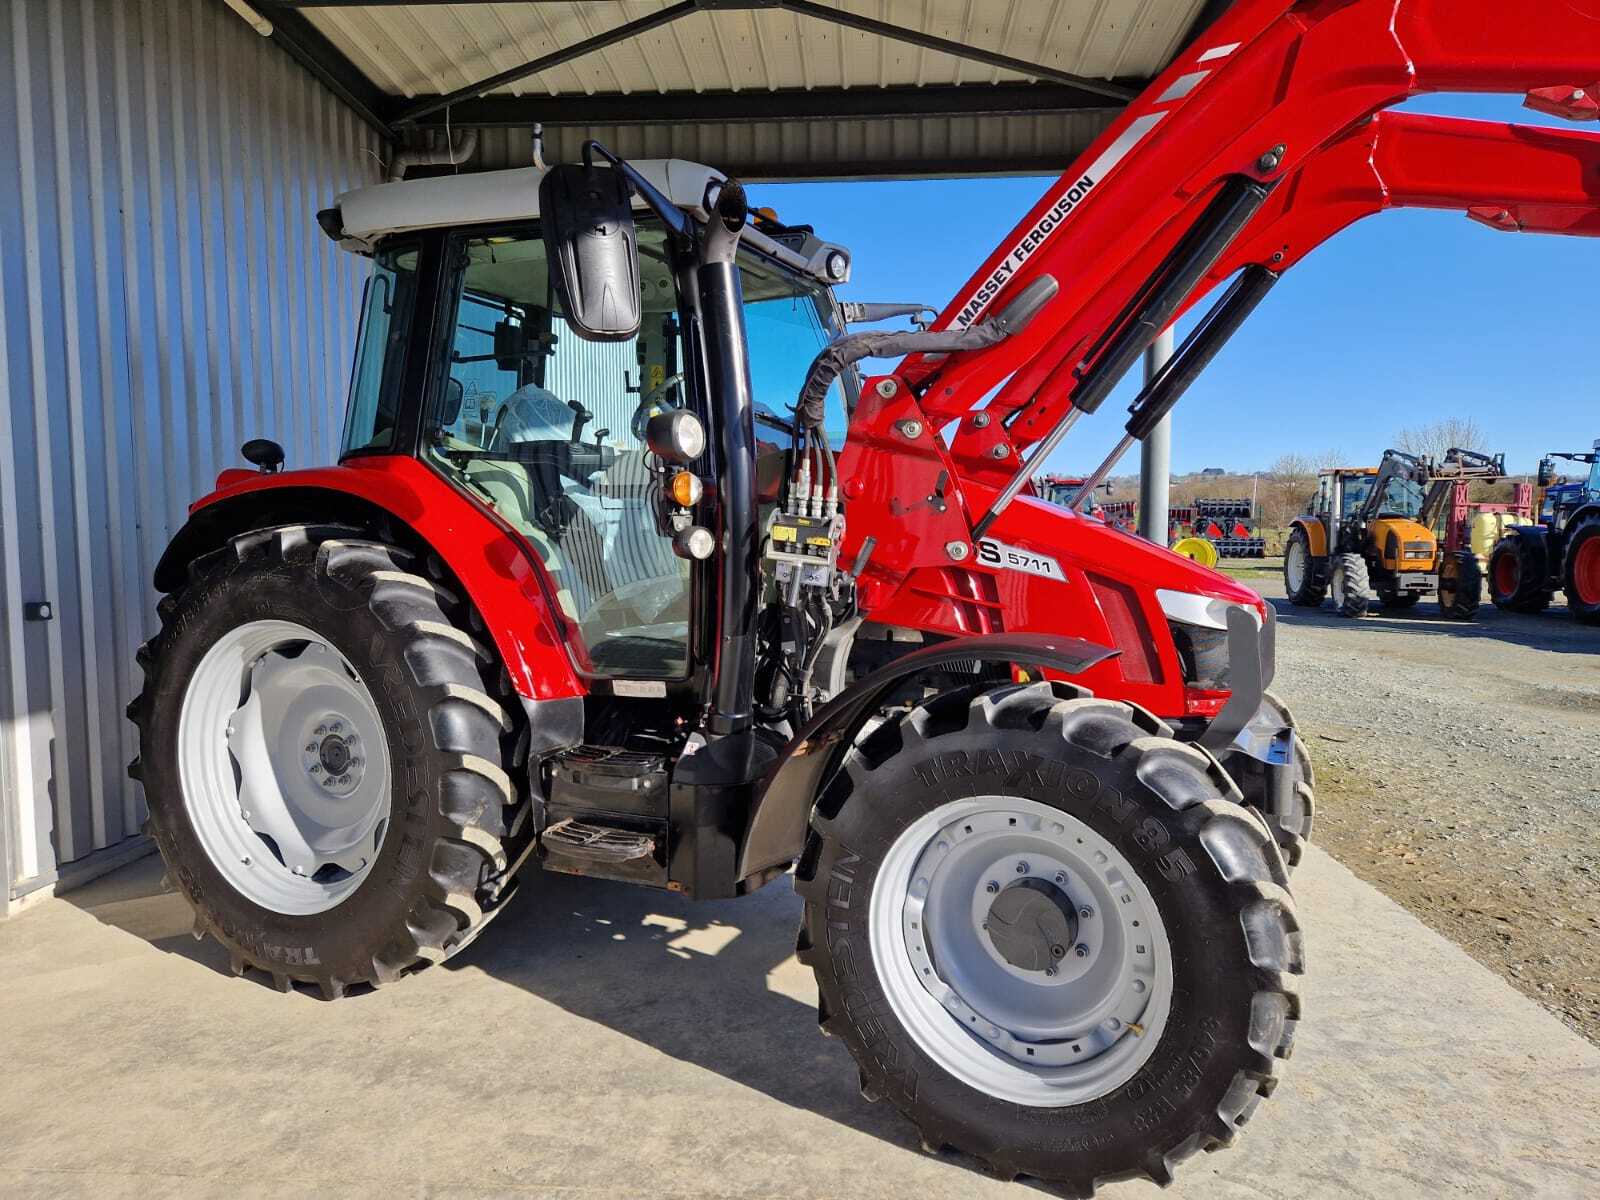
point(853, 347)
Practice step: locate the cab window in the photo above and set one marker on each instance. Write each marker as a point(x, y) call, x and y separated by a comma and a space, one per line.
point(548, 429)
point(373, 407)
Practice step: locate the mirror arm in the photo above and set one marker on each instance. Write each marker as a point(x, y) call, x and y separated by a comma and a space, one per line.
point(677, 220)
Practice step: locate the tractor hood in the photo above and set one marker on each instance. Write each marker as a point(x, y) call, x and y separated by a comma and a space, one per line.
point(1090, 539)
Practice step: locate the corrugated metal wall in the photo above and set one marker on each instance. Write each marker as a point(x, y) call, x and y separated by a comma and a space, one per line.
point(165, 294)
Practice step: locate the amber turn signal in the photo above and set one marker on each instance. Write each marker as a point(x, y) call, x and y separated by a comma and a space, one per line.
point(685, 489)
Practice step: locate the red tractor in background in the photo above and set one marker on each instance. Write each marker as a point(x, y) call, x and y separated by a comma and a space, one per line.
point(587, 588)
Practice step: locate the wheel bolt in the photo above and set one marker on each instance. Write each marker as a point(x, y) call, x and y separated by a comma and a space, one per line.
point(1086, 912)
point(1061, 877)
point(311, 747)
point(1022, 868)
point(352, 740)
point(336, 726)
point(229, 731)
point(245, 859)
point(1049, 971)
point(321, 730)
point(1058, 951)
point(993, 887)
point(1082, 951)
point(316, 768)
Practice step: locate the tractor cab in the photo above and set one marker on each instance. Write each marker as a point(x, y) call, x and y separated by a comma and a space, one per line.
point(469, 358)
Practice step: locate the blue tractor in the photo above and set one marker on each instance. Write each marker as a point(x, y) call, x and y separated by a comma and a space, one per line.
point(1561, 551)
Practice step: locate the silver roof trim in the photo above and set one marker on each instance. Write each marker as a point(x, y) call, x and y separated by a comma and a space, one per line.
point(370, 214)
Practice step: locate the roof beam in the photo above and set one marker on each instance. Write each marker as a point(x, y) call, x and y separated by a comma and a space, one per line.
point(555, 58)
point(751, 107)
point(928, 41)
point(805, 8)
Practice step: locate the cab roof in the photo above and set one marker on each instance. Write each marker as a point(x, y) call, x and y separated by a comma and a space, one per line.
point(360, 219)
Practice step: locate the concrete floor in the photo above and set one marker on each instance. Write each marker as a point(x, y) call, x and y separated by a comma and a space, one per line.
point(604, 1041)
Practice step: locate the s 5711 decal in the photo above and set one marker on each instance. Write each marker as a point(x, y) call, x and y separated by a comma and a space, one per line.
point(1010, 558)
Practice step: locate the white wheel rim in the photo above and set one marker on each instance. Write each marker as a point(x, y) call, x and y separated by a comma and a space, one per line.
point(1295, 565)
point(1045, 1039)
point(284, 767)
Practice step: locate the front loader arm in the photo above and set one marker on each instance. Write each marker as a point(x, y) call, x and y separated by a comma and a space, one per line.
point(1288, 96)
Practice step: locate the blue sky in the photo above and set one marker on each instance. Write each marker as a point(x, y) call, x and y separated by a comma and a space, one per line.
point(1404, 319)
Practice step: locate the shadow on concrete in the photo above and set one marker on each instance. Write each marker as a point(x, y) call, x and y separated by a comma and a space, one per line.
point(711, 983)
point(134, 900)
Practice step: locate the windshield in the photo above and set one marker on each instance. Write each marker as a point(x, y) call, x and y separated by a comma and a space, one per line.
point(1356, 490)
point(1401, 498)
point(788, 319)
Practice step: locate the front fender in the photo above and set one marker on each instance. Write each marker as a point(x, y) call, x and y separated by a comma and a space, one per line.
point(781, 813)
point(500, 577)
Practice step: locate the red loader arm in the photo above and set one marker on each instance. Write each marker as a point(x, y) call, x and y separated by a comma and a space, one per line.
point(1285, 95)
point(1264, 139)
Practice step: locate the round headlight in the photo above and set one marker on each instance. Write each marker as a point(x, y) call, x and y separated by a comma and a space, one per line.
point(694, 542)
point(676, 435)
point(838, 266)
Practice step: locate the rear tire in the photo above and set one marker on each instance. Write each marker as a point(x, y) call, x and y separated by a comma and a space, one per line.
point(1581, 580)
point(1302, 576)
point(1519, 572)
point(1164, 820)
point(438, 868)
point(1352, 590)
point(1460, 586)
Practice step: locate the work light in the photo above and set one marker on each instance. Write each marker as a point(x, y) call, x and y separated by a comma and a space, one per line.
point(676, 435)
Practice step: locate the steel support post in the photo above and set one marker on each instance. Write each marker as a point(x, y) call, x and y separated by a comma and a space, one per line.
point(1155, 454)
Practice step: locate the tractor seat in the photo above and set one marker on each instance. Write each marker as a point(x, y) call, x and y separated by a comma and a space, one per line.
point(575, 563)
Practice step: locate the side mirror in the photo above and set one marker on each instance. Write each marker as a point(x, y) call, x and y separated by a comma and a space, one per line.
point(264, 454)
point(589, 238)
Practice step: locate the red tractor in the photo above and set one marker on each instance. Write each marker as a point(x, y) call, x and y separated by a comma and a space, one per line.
point(623, 571)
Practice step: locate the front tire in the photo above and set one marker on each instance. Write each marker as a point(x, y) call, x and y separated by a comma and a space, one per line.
point(1352, 589)
point(310, 854)
point(1302, 579)
point(1189, 922)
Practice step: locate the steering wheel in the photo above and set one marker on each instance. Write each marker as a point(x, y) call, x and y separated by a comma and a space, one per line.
point(650, 404)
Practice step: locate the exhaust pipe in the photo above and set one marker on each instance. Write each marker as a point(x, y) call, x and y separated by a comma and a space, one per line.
point(738, 520)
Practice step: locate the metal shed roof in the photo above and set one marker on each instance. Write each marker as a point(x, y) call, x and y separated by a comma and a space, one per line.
point(763, 88)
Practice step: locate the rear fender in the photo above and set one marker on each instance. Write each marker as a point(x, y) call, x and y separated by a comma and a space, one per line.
point(501, 577)
point(781, 814)
point(1316, 535)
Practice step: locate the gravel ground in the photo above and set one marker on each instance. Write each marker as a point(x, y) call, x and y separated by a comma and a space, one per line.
point(1458, 770)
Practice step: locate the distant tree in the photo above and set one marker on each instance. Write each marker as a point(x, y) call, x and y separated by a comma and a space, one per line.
point(1287, 485)
point(1433, 441)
